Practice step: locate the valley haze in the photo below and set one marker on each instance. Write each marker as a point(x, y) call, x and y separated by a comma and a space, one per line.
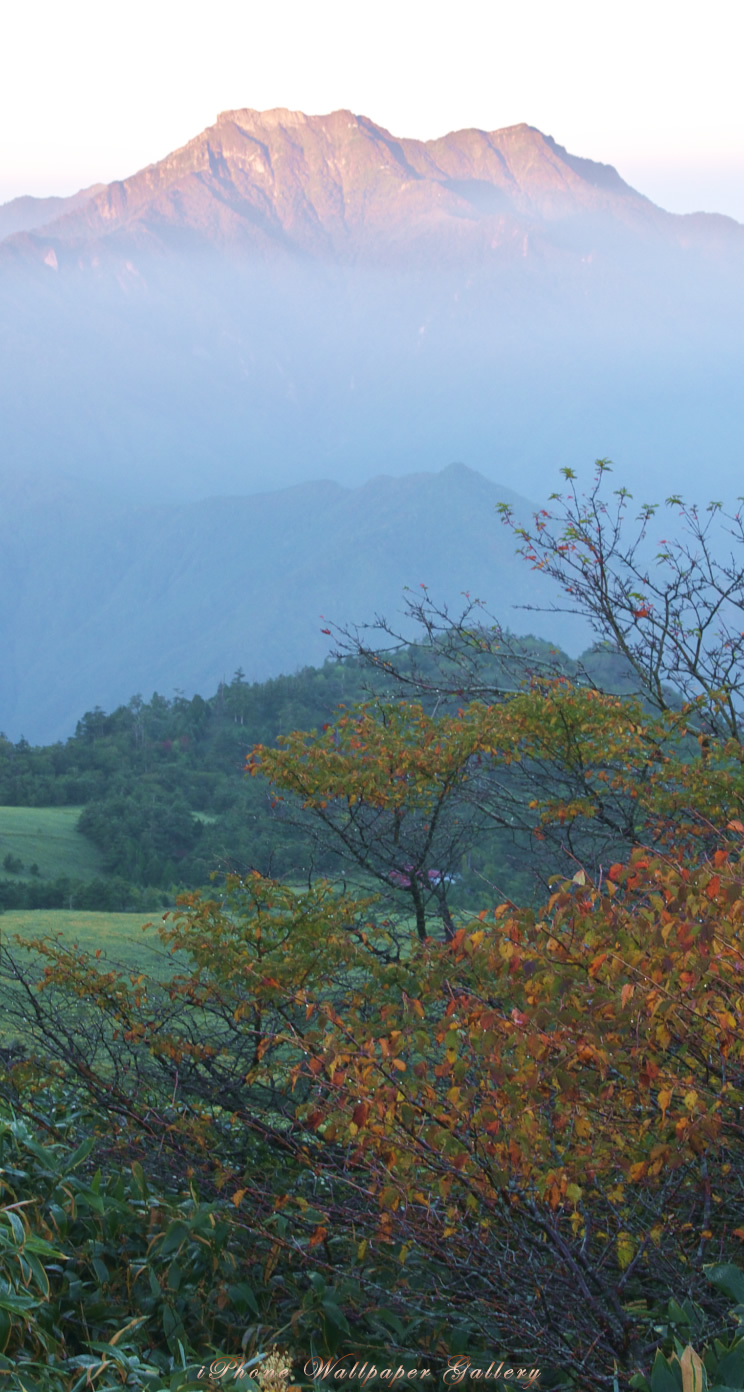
point(294, 298)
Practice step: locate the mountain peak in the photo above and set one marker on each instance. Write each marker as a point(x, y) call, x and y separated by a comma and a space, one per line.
point(249, 117)
point(339, 186)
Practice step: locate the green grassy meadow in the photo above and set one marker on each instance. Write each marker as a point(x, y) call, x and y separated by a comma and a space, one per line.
point(118, 936)
point(49, 838)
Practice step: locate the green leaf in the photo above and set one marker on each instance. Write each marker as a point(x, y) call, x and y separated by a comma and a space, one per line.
point(334, 1324)
point(727, 1277)
point(38, 1271)
point(664, 1378)
point(242, 1297)
point(175, 1235)
point(82, 1153)
point(16, 1303)
point(138, 1175)
point(171, 1324)
point(731, 1367)
point(19, 1232)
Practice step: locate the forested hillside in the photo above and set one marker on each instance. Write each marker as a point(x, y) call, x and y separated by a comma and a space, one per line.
point(164, 800)
point(160, 784)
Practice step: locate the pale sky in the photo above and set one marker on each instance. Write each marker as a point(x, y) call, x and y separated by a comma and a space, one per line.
point(95, 89)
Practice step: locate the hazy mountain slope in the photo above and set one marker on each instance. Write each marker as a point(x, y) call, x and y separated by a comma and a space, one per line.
point(98, 601)
point(26, 213)
point(292, 297)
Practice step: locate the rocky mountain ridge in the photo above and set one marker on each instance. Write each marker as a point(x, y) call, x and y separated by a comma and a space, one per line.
point(340, 186)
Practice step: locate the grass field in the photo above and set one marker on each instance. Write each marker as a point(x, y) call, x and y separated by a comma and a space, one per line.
point(49, 838)
point(119, 936)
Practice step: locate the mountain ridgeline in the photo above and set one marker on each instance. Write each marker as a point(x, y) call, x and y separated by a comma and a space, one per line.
point(293, 297)
point(99, 598)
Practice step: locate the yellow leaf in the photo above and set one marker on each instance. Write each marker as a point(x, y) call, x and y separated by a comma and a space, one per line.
point(238, 1197)
point(664, 1100)
point(625, 1249)
point(693, 1374)
point(691, 1100)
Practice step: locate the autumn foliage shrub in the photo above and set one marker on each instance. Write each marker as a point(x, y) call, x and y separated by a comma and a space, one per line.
point(521, 1140)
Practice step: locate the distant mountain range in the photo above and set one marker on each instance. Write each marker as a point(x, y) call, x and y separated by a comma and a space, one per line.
point(291, 297)
point(100, 600)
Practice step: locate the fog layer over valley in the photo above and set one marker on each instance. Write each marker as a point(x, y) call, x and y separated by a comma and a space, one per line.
point(99, 600)
point(290, 298)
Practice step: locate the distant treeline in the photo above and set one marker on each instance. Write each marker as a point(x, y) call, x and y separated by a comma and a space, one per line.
point(162, 785)
point(164, 794)
point(112, 895)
